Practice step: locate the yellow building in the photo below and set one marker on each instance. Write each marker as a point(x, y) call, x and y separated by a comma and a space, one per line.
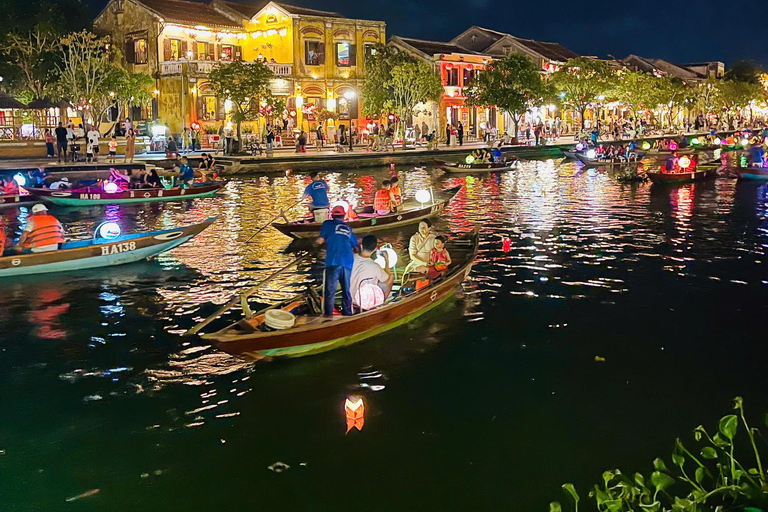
point(317, 57)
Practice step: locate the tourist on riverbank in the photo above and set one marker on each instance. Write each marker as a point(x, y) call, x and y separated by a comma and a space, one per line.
point(270, 139)
point(61, 142)
point(186, 140)
point(319, 137)
point(130, 145)
point(460, 133)
point(301, 142)
point(448, 131)
point(93, 139)
point(48, 143)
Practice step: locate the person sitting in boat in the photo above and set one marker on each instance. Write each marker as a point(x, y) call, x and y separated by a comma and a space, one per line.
point(370, 284)
point(186, 173)
point(439, 258)
point(340, 241)
point(756, 156)
point(317, 192)
point(62, 184)
point(420, 247)
point(153, 180)
point(42, 233)
point(397, 195)
point(383, 201)
point(671, 162)
point(10, 187)
point(497, 158)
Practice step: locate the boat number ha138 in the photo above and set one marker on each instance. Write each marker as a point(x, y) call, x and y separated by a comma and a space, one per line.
point(118, 248)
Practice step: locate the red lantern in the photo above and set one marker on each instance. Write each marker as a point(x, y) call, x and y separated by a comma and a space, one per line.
point(469, 66)
point(449, 66)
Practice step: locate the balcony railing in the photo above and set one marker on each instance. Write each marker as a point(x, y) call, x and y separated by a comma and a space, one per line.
point(203, 67)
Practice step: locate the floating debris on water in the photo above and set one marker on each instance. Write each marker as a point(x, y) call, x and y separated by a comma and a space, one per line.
point(279, 467)
point(86, 494)
point(599, 359)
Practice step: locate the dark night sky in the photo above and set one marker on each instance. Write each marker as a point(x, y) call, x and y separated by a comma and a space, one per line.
point(698, 30)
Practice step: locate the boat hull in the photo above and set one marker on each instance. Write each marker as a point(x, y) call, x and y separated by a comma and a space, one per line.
point(671, 178)
point(470, 168)
point(344, 331)
point(604, 163)
point(84, 255)
point(96, 197)
point(753, 173)
point(372, 224)
point(17, 200)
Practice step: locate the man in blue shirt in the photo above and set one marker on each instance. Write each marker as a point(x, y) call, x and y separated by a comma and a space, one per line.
point(339, 240)
point(186, 173)
point(317, 191)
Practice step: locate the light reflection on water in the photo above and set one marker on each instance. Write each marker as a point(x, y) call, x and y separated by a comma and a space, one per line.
point(104, 345)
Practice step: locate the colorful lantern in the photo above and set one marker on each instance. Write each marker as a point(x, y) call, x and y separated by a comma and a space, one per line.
point(449, 66)
point(591, 153)
point(684, 162)
point(111, 187)
point(673, 145)
point(646, 145)
point(354, 409)
point(423, 196)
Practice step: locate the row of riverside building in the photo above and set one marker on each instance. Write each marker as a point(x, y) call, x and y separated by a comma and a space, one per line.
point(318, 59)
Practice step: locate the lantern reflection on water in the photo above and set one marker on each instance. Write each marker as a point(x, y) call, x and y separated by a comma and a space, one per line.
point(354, 409)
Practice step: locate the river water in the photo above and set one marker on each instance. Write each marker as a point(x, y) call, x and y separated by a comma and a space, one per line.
point(618, 318)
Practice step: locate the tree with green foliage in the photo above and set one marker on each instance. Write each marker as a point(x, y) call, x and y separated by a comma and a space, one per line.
point(245, 86)
point(734, 96)
point(34, 56)
point(672, 94)
point(130, 90)
point(580, 83)
point(747, 71)
point(636, 91)
point(512, 84)
point(412, 83)
point(706, 95)
point(87, 74)
point(378, 87)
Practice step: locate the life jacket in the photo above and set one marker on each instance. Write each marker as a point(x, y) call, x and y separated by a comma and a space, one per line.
point(47, 230)
point(2, 241)
point(398, 195)
point(382, 200)
point(12, 188)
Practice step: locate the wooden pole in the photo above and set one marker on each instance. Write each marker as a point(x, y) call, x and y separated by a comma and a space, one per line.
point(242, 296)
point(281, 214)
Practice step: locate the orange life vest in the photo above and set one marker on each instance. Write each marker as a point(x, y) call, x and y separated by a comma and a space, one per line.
point(397, 194)
point(382, 201)
point(2, 241)
point(12, 188)
point(46, 230)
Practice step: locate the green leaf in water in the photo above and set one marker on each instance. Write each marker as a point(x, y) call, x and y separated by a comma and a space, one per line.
point(728, 425)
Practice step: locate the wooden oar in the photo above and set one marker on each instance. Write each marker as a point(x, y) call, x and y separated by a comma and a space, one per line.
point(242, 296)
point(281, 214)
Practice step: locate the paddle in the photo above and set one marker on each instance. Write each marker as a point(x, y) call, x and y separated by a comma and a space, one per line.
point(242, 296)
point(281, 214)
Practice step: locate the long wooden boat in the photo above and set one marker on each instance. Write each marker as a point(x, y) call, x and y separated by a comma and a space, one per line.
point(89, 196)
point(18, 200)
point(689, 149)
point(671, 178)
point(753, 173)
point(570, 154)
point(475, 167)
point(596, 162)
point(85, 254)
point(312, 333)
point(413, 212)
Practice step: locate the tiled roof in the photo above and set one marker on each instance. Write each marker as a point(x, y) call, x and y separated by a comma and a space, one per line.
point(189, 13)
point(304, 11)
point(551, 51)
point(8, 102)
point(247, 10)
point(435, 47)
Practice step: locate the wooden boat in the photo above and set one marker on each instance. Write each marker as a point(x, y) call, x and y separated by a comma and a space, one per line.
point(412, 212)
point(18, 200)
point(596, 162)
point(312, 333)
point(99, 252)
point(89, 196)
point(475, 167)
point(570, 154)
point(671, 178)
point(667, 152)
point(753, 173)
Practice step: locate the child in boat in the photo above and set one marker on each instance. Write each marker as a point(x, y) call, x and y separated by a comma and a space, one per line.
point(439, 259)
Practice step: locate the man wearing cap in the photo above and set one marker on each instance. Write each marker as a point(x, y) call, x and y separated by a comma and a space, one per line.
point(42, 233)
point(339, 258)
point(63, 183)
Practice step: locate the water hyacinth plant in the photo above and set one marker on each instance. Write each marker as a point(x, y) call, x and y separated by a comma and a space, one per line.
point(710, 480)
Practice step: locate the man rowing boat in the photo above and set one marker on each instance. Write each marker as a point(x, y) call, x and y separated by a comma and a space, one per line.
point(42, 233)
